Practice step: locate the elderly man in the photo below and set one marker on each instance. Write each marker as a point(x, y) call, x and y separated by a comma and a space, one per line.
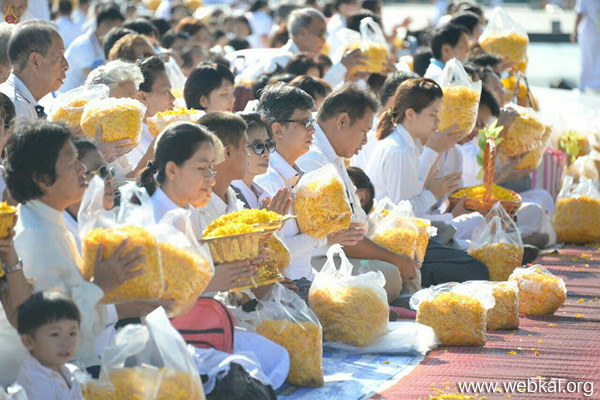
point(343, 122)
point(36, 52)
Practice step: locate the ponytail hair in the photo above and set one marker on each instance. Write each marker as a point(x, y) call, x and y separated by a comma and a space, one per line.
point(416, 94)
point(177, 143)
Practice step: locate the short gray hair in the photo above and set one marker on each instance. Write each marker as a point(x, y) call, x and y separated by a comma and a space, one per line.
point(34, 36)
point(301, 19)
point(114, 73)
point(5, 33)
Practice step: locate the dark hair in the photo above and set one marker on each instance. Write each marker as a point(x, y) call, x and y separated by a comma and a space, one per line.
point(362, 181)
point(203, 80)
point(468, 19)
point(415, 94)
point(45, 308)
point(391, 83)
point(315, 87)
point(279, 102)
point(7, 110)
point(283, 77)
point(254, 120)
point(485, 60)
point(108, 12)
point(190, 25)
point(143, 27)
point(375, 82)
point(300, 63)
point(160, 24)
point(372, 5)
point(489, 100)
point(348, 98)
point(421, 60)
point(473, 71)
point(280, 36)
point(65, 7)
point(31, 153)
point(83, 147)
point(353, 21)
point(257, 5)
point(113, 37)
point(241, 19)
point(228, 127)
point(338, 3)
point(177, 143)
point(33, 36)
point(189, 53)
point(285, 8)
point(151, 67)
point(239, 43)
point(450, 35)
point(171, 36)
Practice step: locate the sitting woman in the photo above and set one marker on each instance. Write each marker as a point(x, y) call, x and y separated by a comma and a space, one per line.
point(45, 176)
point(210, 88)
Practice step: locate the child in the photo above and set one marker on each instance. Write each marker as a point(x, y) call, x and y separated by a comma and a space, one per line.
point(210, 88)
point(49, 328)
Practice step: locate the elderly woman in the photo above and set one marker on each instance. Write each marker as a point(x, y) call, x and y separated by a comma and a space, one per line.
point(45, 176)
point(131, 48)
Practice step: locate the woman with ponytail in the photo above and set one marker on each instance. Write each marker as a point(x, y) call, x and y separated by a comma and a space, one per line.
point(402, 166)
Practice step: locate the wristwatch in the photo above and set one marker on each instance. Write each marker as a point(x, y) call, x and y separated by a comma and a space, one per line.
point(18, 266)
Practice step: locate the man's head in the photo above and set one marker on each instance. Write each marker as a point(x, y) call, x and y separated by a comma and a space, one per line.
point(37, 50)
point(307, 27)
point(109, 16)
point(232, 130)
point(288, 110)
point(451, 41)
point(346, 117)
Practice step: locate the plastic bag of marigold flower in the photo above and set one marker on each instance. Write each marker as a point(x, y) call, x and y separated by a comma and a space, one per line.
point(397, 231)
point(505, 38)
point(68, 107)
point(187, 265)
point(457, 313)
point(286, 319)
point(109, 228)
point(460, 102)
point(576, 216)
point(540, 292)
point(497, 243)
point(351, 308)
point(150, 362)
point(118, 119)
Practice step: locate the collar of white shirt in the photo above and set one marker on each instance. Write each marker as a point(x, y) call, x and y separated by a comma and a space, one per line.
point(162, 204)
point(400, 134)
point(291, 47)
point(33, 372)
point(217, 206)
point(321, 142)
point(21, 89)
point(45, 212)
point(288, 172)
point(252, 194)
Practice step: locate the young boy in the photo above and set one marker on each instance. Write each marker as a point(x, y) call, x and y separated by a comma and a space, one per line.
point(48, 323)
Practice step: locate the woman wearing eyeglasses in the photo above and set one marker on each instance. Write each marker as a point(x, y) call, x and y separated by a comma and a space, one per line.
point(260, 146)
point(95, 165)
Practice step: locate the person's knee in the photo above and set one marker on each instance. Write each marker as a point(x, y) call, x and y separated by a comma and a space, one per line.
point(393, 281)
point(477, 271)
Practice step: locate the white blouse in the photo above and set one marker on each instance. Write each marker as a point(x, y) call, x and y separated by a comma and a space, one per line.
point(42, 383)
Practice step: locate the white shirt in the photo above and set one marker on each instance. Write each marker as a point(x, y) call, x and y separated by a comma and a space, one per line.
point(336, 22)
point(470, 167)
point(135, 156)
point(260, 23)
point(398, 169)
point(361, 159)
point(217, 207)
point(17, 92)
point(50, 254)
point(73, 227)
point(253, 195)
point(68, 29)
point(82, 54)
point(433, 72)
point(79, 17)
point(279, 175)
point(451, 161)
point(42, 383)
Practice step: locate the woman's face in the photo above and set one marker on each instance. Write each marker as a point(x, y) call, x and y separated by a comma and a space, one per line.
point(94, 162)
point(220, 99)
point(194, 179)
point(427, 120)
point(160, 98)
point(258, 164)
point(70, 183)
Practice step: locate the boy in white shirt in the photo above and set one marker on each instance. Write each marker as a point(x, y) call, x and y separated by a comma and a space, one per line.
point(49, 328)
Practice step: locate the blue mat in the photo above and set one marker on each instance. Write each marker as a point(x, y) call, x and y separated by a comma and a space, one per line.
point(351, 376)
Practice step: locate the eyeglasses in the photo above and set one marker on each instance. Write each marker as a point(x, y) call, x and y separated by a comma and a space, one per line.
point(308, 123)
point(104, 173)
point(209, 173)
point(261, 147)
point(164, 57)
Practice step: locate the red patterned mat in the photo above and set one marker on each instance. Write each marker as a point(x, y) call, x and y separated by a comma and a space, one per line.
point(559, 354)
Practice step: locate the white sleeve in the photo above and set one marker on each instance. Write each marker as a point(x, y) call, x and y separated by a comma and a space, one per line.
point(336, 74)
point(426, 162)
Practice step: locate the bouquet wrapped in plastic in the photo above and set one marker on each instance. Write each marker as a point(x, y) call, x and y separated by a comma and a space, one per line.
point(373, 45)
point(534, 158)
point(575, 144)
point(583, 167)
point(148, 362)
point(576, 216)
point(497, 243)
point(351, 308)
point(158, 122)
point(320, 203)
point(523, 134)
point(461, 98)
point(68, 107)
point(286, 320)
point(426, 231)
point(504, 38)
point(456, 312)
point(540, 292)
point(118, 119)
point(505, 314)
point(398, 231)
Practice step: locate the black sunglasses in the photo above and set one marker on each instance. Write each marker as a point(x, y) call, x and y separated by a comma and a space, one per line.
point(104, 173)
point(259, 148)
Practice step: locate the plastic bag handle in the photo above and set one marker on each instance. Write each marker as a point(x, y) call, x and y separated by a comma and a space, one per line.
point(371, 31)
point(345, 267)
